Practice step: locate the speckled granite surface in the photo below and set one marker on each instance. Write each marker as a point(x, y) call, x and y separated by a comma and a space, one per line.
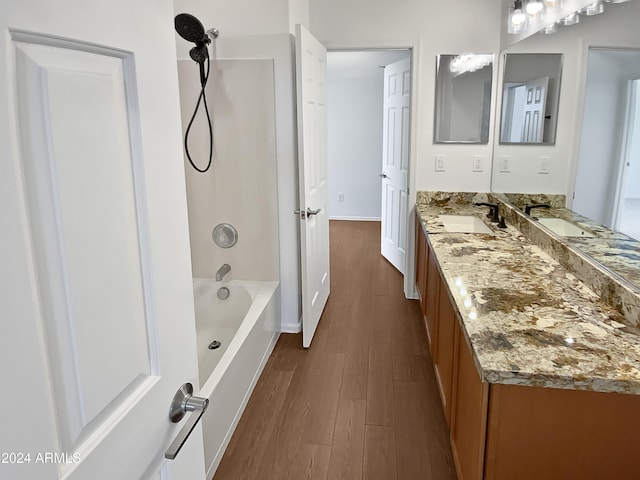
point(529, 320)
point(597, 261)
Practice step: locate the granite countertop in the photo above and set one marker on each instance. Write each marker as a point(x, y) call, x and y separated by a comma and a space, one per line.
point(614, 250)
point(527, 319)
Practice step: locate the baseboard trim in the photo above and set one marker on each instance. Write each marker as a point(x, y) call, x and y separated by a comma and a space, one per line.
point(357, 219)
point(291, 327)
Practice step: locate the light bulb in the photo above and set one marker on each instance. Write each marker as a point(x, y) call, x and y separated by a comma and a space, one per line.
point(534, 8)
point(518, 18)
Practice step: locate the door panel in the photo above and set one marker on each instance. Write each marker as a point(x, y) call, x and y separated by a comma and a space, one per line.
point(395, 162)
point(311, 62)
point(534, 110)
point(95, 286)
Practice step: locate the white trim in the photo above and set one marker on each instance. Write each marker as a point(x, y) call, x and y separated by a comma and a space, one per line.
point(291, 327)
point(245, 400)
point(357, 219)
point(414, 47)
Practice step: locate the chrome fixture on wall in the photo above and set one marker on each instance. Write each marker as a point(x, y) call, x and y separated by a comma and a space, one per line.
point(524, 14)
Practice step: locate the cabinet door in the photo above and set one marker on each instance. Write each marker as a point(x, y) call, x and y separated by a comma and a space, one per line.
point(446, 346)
point(553, 434)
point(468, 415)
point(432, 298)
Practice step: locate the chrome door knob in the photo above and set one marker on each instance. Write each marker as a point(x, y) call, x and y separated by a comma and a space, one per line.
point(383, 175)
point(184, 401)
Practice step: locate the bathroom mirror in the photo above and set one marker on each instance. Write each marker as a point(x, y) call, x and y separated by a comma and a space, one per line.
point(530, 96)
point(463, 98)
point(585, 159)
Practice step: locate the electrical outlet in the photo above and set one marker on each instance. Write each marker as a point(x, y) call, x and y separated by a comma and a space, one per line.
point(505, 163)
point(544, 165)
point(440, 163)
point(477, 163)
point(341, 197)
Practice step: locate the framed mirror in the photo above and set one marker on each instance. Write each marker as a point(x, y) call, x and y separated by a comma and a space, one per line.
point(530, 96)
point(463, 98)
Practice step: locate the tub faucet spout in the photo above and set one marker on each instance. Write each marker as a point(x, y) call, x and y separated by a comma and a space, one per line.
point(222, 271)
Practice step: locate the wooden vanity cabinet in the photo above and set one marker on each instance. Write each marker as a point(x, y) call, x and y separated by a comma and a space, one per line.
point(556, 434)
point(446, 348)
point(427, 283)
point(469, 414)
point(507, 432)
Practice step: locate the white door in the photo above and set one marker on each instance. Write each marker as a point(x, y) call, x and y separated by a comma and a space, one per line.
point(98, 327)
point(311, 74)
point(534, 110)
point(395, 161)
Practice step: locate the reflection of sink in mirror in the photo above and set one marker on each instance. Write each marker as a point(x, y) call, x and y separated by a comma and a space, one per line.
point(464, 224)
point(566, 229)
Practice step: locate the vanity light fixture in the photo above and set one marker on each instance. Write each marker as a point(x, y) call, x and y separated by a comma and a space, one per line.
point(571, 19)
point(524, 14)
point(469, 62)
point(517, 18)
point(593, 9)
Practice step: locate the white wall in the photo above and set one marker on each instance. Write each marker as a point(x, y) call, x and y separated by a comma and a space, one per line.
point(355, 84)
point(616, 27)
point(433, 28)
point(241, 186)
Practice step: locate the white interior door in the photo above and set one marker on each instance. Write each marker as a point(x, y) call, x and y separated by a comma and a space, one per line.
point(534, 110)
point(395, 162)
point(311, 74)
point(95, 285)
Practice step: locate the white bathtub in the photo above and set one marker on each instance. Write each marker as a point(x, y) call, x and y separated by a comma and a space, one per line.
point(247, 325)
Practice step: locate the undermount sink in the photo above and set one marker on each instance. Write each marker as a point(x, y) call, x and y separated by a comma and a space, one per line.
point(464, 224)
point(563, 228)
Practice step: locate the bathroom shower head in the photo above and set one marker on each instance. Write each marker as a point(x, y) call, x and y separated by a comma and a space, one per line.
point(190, 28)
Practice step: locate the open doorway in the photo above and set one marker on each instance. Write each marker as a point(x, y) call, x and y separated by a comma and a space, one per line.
point(361, 134)
point(627, 211)
point(606, 189)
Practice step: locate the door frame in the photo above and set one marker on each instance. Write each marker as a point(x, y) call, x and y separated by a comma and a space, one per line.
point(414, 56)
point(630, 120)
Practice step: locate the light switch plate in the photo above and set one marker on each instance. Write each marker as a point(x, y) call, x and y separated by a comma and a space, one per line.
point(478, 161)
point(440, 163)
point(505, 163)
point(544, 165)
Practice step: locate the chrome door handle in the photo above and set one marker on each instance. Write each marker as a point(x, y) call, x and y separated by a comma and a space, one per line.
point(183, 402)
point(308, 213)
point(383, 175)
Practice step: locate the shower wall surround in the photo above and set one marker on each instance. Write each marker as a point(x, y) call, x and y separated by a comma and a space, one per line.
point(241, 186)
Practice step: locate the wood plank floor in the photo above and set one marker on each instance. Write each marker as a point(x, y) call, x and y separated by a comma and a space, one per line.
point(362, 402)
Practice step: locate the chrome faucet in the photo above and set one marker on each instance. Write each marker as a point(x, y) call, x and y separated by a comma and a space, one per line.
point(222, 271)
